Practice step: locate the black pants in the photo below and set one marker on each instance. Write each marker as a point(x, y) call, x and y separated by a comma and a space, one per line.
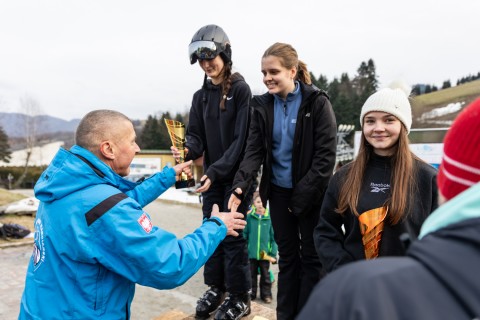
point(228, 267)
point(265, 283)
point(299, 266)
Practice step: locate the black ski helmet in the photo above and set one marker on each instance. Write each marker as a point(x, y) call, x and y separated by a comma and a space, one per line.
point(208, 42)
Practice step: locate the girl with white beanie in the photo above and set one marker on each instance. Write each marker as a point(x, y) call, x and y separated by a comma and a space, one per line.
point(376, 203)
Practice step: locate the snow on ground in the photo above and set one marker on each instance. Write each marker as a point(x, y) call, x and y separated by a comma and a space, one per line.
point(180, 195)
point(24, 206)
point(41, 156)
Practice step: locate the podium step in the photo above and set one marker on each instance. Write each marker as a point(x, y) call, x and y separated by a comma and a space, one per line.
point(259, 312)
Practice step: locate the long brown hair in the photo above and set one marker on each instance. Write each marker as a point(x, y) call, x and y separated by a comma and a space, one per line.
point(402, 180)
point(226, 83)
point(289, 59)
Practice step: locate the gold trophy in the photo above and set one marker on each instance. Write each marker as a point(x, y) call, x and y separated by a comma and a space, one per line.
point(176, 131)
point(265, 256)
point(371, 227)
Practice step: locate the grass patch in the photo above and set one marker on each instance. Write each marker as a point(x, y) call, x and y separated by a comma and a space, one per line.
point(7, 197)
point(445, 96)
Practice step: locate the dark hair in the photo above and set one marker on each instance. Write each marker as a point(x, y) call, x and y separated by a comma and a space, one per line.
point(289, 59)
point(227, 82)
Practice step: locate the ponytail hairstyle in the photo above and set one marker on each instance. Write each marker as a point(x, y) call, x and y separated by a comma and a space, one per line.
point(289, 59)
point(226, 83)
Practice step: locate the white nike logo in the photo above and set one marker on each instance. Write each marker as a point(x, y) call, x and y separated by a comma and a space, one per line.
point(230, 98)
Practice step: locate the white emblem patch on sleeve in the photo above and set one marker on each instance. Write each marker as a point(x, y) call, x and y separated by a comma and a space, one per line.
point(145, 222)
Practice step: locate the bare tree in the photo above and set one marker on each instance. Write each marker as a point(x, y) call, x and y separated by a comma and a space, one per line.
point(31, 122)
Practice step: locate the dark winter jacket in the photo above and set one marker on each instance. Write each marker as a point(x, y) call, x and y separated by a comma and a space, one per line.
point(219, 135)
point(437, 279)
point(336, 247)
point(259, 234)
point(313, 155)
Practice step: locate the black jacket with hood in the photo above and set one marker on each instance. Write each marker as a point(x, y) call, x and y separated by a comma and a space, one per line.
point(338, 239)
point(437, 279)
point(313, 155)
point(219, 135)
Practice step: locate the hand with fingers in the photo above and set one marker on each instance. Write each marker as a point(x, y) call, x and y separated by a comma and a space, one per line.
point(235, 200)
point(177, 155)
point(232, 220)
point(184, 167)
point(205, 184)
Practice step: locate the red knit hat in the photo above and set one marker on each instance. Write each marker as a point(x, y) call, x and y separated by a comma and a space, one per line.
point(460, 168)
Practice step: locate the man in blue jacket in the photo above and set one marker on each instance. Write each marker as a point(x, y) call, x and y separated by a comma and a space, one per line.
point(94, 242)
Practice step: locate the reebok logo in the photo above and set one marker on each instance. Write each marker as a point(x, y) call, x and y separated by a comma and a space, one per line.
point(379, 187)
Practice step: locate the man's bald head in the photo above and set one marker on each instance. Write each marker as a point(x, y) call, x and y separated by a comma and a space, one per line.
point(97, 126)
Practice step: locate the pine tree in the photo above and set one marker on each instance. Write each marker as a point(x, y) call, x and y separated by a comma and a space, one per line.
point(179, 117)
point(366, 82)
point(164, 141)
point(149, 135)
point(4, 146)
point(321, 82)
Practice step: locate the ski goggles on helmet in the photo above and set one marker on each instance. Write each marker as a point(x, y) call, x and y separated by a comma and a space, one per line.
point(202, 50)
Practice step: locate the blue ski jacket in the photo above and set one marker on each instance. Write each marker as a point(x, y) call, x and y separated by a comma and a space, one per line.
point(94, 242)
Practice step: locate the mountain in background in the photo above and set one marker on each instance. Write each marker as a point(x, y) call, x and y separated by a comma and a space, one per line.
point(438, 109)
point(14, 124)
point(48, 129)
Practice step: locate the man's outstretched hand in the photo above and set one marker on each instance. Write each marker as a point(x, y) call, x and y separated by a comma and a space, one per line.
point(184, 167)
point(233, 220)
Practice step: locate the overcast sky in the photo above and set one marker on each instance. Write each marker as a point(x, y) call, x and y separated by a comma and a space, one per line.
point(75, 56)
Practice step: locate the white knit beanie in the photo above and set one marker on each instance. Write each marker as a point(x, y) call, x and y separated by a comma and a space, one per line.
point(393, 100)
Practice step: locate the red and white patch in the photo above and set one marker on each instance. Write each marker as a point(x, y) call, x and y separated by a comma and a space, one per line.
point(145, 222)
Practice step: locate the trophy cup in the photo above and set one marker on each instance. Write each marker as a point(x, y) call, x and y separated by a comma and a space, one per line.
point(176, 131)
point(265, 256)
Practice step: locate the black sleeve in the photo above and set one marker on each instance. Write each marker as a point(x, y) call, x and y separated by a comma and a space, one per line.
point(254, 155)
point(195, 135)
point(425, 197)
point(310, 189)
point(328, 235)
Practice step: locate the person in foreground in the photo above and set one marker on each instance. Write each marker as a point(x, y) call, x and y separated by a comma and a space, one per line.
point(437, 279)
point(94, 242)
point(292, 137)
point(385, 193)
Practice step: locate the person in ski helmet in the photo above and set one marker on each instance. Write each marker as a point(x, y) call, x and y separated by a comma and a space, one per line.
point(217, 131)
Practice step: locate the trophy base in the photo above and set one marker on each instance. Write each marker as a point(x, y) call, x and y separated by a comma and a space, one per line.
point(185, 184)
